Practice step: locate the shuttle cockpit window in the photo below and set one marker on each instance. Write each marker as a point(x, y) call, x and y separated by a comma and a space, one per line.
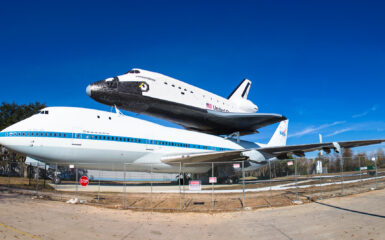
point(112, 82)
point(133, 71)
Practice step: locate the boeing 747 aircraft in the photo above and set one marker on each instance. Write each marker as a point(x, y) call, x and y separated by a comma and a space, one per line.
point(193, 108)
point(95, 139)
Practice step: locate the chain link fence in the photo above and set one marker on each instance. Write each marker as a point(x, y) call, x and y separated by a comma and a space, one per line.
point(226, 186)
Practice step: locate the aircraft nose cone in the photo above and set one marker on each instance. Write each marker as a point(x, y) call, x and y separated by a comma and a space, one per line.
point(88, 90)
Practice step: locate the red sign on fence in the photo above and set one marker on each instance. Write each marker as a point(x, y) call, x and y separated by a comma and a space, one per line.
point(84, 181)
point(195, 185)
point(212, 179)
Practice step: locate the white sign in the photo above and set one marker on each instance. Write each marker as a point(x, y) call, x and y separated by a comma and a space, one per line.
point(212, 179)
point(195, 185)
point(364, 168)
point(290, 163)
point(72, 166)
point(236, 165)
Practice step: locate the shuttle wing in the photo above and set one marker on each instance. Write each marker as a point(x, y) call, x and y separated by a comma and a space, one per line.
point(225, 123)
point(280, 152)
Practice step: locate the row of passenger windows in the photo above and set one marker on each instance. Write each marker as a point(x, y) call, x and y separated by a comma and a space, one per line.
point(139, 140)
point(41, 134)
point(121, 139)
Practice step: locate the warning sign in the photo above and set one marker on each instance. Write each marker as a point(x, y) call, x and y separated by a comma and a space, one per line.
point(195, 185)
point(212, 179)
point(84, 181)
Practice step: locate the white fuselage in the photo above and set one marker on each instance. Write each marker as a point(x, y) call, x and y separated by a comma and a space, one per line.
point(101, 140)
point(170, 89)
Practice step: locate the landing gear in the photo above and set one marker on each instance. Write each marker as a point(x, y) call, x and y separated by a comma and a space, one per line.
point(229, 180)
point(55, 177)
point(56, 180)
point(183, 178)
point(232, 180)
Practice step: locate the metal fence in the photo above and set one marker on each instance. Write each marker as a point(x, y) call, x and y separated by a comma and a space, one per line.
point(227, 186)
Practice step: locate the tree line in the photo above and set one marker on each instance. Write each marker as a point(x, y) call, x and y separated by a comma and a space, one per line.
point(11, 113)
point(334, 163)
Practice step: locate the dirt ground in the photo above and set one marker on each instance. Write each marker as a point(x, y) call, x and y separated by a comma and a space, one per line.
point(359, 216)
point(204, 202)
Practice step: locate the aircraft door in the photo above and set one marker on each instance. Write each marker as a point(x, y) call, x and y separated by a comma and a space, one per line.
point(76, 137)
point(153, 145)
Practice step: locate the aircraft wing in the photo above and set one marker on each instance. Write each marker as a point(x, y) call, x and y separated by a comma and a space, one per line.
point(299, 150)
point(278, 151)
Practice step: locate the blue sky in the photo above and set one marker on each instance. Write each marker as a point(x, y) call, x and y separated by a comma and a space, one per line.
point(320, 63)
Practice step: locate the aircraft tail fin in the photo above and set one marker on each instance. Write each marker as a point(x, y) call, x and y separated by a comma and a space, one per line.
point(280, 135)
point(242, 91)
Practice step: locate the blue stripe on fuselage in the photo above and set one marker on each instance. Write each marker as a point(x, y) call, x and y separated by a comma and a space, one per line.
point(98, 137)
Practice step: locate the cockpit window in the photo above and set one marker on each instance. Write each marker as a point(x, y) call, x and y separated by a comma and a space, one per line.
point(42, 112)
point(133, 71)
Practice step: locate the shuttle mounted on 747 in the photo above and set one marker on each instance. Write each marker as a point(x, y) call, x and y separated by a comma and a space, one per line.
point(193, 108)
point(95, 139)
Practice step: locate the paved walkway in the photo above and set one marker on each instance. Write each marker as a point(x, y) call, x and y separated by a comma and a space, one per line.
point(352, 217)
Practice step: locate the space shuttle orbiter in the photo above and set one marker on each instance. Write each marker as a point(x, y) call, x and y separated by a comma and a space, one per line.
point(193, 108)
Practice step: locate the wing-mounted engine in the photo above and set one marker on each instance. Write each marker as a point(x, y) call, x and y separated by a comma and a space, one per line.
point(255, 156)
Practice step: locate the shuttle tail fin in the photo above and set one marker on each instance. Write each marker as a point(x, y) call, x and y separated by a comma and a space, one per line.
point(242, 91)
point(280, 135)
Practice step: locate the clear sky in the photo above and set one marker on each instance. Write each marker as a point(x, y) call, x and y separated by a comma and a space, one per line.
point(320, 63)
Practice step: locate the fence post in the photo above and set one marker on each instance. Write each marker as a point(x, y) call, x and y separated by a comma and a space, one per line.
point(375, 165)
point(151, 188)
point(45, 173)
point(320, 178)
point(124, 186)
point(99, 188)
point(212, 186)
point(296, 179)
point(184, 191)
point(342, 176)
point(271, 194)
point(37, 179)
point(54, 181)
point(9, 174)
point(243, 184)
point(359, 165)
point(76, 183)
point(29, 172)
point(180, 189)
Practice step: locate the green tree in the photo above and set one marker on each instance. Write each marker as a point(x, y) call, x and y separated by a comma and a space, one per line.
point(11, 113)
point(380, 158)
point(347, 158)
